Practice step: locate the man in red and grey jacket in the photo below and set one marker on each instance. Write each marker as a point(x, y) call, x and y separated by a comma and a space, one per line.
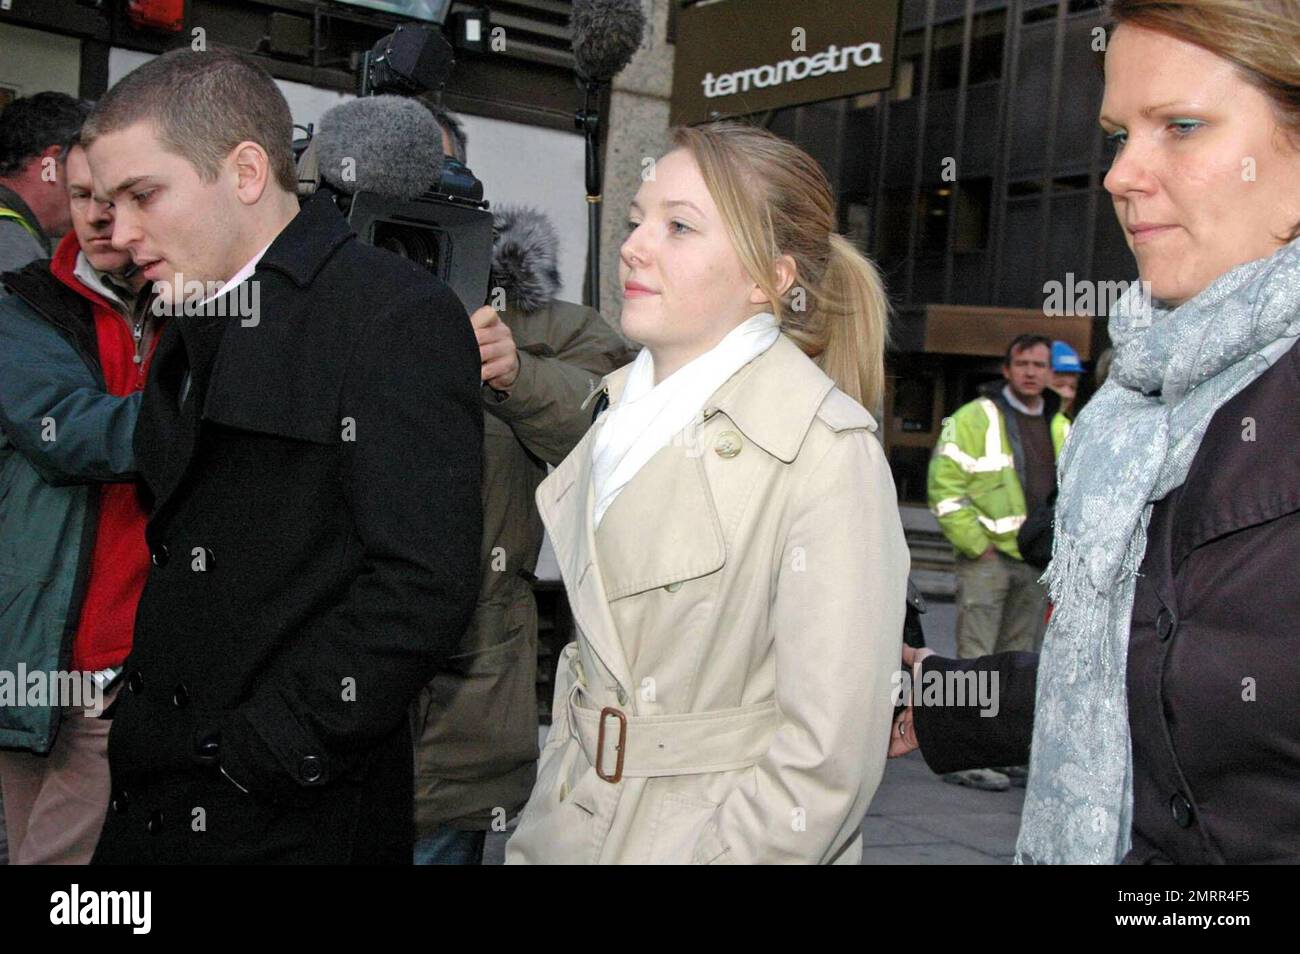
point(76, 337)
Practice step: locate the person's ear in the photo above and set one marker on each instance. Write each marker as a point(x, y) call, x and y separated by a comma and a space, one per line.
point(252, 168)
point(784, 273)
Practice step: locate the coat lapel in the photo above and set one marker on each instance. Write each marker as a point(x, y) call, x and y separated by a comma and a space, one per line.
point(175, 424)
point(664, 527)
point(564, 500)
point(164, 446)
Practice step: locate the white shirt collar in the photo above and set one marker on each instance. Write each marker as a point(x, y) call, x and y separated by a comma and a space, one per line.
point(94, 279)
point(1020, 405)
point(240, 276)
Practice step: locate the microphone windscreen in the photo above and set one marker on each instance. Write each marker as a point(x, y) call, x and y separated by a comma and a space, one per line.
point(390, 145)
point(606, 34)
point(525, 251)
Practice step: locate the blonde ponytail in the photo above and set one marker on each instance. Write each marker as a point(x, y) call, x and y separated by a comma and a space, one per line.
point(775, 200)
point(854, 313)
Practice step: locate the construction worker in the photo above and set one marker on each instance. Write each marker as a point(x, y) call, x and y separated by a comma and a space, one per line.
point(994, 464)
point(34, 136)
point(1067, 369)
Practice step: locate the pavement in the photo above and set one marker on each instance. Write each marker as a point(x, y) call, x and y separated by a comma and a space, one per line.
point(916, 818)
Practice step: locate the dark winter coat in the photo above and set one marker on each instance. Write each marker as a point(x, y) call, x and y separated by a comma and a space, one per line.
point(315, 538)
point(1213, 658)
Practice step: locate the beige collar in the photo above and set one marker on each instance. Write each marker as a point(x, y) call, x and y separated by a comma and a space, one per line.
point(773, 409)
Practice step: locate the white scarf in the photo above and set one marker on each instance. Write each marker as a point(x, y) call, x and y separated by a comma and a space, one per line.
point(648, 415)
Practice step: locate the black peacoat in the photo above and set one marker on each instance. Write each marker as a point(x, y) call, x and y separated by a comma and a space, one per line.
point(1213, 660)
point(315, 530)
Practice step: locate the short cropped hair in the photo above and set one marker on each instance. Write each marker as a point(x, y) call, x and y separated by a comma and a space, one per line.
point(202, 105)
point(30, 125)
point(1021, 342)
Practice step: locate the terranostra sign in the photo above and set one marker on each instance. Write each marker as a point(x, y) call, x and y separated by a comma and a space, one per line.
point(736, 57)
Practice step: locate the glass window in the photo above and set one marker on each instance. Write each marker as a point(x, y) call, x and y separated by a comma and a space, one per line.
point(945, 56)
point(910, 47)
point(972, 226)
point(1047, 11)
point(987, 36)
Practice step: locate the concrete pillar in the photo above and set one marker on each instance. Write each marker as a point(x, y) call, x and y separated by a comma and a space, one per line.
point(638, 128)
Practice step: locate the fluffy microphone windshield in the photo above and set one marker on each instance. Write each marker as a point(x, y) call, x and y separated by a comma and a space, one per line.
point(524, 252)
point(385, 144)
point(606, 33)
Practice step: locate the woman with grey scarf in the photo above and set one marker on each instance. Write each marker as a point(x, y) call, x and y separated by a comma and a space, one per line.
point(1162, 710)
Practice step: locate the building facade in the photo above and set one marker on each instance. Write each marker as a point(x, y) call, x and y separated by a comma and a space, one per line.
point(974, 182)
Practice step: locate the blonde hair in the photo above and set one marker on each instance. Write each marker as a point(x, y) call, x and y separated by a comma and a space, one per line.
point(775, 200)
point(1260, 37)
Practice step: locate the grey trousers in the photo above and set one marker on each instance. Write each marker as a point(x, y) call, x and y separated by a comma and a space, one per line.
point(1001, 606)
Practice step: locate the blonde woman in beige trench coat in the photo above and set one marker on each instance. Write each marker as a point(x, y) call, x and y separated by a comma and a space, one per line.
point(739, 604)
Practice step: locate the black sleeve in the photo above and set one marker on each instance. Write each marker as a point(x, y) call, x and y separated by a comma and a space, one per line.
point(1034, 539)
point(956, 737)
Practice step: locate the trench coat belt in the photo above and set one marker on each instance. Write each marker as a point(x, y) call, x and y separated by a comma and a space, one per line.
point(691, 743)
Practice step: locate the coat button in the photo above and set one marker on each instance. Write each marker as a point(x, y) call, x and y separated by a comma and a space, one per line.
point(180, 696)
point(160, 555)
point(120, 803)
point(622, 696)
point(310, 769)
point(208, 751)
point(1181, 809)
point(1165, 624)
point(674, 586)
point(728, 444)
point(135, 682)
point(154, 825)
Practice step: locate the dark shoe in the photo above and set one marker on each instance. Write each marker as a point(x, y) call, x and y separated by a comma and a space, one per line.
point(986, 780)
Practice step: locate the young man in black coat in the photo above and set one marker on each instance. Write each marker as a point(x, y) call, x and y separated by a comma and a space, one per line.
point(312, 440)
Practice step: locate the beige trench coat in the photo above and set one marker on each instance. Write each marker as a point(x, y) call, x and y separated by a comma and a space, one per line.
point(739, 614)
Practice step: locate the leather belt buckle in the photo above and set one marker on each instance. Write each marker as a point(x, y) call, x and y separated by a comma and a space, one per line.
point(600, 744)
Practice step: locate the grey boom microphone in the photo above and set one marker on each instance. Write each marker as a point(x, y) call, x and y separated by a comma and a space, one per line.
point(606, 34)
point(389, 145)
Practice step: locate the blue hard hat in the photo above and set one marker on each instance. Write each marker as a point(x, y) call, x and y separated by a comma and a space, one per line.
point(1065, 360)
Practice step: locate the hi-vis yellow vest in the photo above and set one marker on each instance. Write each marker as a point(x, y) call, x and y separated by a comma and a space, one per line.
point(6, 213)
point(974, 491)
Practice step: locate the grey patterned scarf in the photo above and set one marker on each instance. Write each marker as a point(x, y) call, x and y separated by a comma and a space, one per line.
point(1133, 443)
